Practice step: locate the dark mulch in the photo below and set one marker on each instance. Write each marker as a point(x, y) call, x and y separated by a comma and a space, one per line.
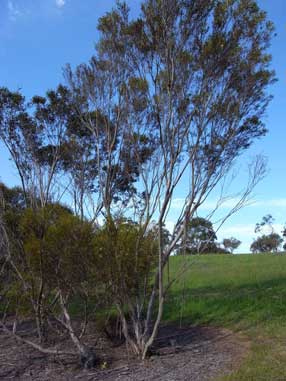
point(188, 353)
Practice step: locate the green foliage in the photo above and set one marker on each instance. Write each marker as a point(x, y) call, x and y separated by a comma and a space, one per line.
point(200, 237)
point(125, 257)
point(267, 221)
point(266, 243)
point(51, 250)
point(231, 243)
point(11, 198)
point(58, 242)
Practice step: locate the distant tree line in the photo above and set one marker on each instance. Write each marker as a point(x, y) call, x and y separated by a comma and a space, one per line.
point(200, 238)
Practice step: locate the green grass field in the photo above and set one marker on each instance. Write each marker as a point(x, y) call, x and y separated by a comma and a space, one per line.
point(246, 293)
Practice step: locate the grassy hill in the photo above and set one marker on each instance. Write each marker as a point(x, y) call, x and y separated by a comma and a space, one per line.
point(246, 293)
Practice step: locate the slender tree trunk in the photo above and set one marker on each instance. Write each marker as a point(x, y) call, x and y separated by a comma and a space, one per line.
point(88, 358)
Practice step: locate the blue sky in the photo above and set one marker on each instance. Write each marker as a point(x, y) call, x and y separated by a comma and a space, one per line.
point(38, 37)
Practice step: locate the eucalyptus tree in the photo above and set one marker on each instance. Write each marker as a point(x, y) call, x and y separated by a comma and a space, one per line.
point(41, 241)
point(266, 243)
point(200, 236)
point(34, 133)
point(231, 243)
point(172, 99)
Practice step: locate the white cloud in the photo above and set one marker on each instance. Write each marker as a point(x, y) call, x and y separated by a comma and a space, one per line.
point(272, 203)
point(247, 230)
point(22, 9)
point(178, 203)
point(170, 225)
point(210, 205)
point(60, 3)
point(238, 230)
point(13, 11)
point(229, 203)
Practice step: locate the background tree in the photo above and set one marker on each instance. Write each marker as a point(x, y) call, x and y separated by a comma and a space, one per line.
point(284, 236)
point(266, 223)
point(200, 237)
point(231, 244)
point(12, 198)
point(166, 235)
point(270, 242)
point(267, 243)
point(33, 134)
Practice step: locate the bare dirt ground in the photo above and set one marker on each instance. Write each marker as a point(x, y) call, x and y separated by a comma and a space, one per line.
point(188, 353)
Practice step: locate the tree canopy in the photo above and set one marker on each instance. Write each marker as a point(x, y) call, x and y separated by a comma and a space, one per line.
point(266, 243)
point(231, 243)
point(200, 237)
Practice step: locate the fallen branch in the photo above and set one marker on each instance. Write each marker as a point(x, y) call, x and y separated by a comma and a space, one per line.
point(48, 351)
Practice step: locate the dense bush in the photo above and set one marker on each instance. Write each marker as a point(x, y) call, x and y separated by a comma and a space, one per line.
point(125, 258)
